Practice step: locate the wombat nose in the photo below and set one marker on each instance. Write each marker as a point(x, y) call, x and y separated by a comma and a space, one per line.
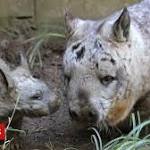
point(73, 114)
point(92, 115)
point(87, 115)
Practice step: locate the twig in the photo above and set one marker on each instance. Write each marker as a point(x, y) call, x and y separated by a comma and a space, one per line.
point(9, 122)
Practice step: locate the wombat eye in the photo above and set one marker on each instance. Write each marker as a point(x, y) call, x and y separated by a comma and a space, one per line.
point(37, 96)
point(107, 80)
point(76, 46)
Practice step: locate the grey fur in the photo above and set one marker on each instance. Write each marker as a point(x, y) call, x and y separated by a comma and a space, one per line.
point(114, 74)
point(36, 99)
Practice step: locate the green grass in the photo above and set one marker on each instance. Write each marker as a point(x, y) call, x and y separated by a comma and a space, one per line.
point(37, 42)
point(131, 141)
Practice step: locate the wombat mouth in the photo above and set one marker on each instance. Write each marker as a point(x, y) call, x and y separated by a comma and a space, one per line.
point(83, 123)
point(35, 112)
point(37, 109)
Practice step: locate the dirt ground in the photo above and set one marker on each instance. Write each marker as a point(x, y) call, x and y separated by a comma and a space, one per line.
point(55, 132)
point(56, 129)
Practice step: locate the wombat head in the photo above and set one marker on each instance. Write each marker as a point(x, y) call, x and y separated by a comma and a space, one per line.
point(35, 98)
point(96, 68)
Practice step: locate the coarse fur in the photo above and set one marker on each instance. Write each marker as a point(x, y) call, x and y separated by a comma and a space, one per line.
point(35, 98)
point(106, 65)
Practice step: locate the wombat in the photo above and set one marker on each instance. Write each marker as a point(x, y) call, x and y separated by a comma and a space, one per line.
point(107, 65)
point(29, 96)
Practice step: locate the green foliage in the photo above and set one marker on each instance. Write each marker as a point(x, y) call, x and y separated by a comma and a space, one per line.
point(37, 42)
point(131, 141)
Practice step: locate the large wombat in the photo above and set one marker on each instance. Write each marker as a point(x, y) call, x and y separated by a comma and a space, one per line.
point(107, 65)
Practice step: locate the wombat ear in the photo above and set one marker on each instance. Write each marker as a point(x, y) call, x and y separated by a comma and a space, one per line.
point(24, 62)
point(71, 22)
point(5, 70)
point(122, 26)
